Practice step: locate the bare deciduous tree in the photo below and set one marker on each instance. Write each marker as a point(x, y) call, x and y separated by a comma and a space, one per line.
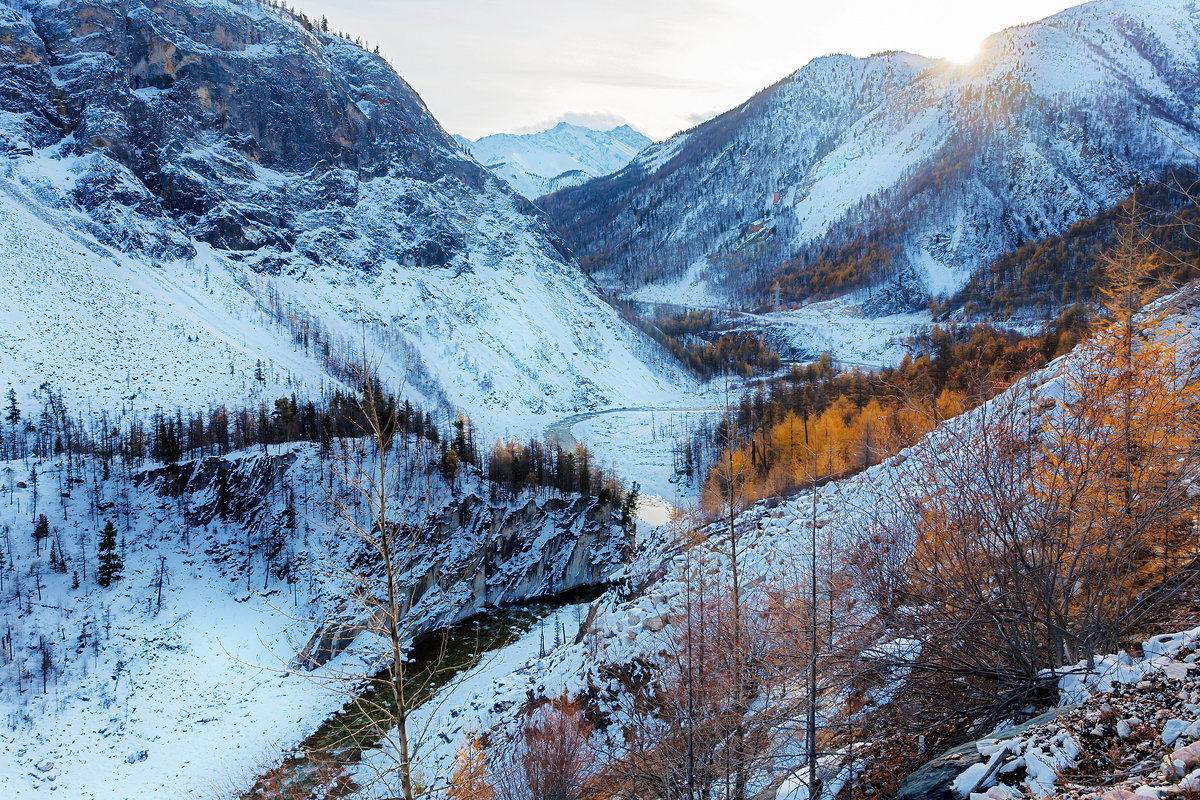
point(551, 759)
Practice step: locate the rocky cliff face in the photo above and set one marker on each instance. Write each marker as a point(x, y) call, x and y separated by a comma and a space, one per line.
point(192, 99)
point(472, 554)
point(255, 174)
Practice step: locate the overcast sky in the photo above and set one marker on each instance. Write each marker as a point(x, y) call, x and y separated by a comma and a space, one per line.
point(485, 66)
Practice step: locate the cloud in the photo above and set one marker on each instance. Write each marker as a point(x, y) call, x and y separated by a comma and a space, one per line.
point(695, 118)
point(485, 66)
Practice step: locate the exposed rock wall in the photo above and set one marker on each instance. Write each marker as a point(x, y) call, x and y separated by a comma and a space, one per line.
point(471, 553)
point(189, 98)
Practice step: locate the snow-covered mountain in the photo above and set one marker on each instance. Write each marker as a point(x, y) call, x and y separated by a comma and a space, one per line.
point(566, 155)
point(901, 172)
point(207, 201)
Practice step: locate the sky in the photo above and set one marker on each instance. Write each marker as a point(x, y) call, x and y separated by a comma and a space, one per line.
point(489, 66)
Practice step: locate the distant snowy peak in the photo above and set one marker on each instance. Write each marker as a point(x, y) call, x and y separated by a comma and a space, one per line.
point(566, 155)
point(939, 167)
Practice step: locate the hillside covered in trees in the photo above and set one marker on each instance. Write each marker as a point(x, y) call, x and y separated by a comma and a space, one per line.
point(1055, 273)
point(899, 175)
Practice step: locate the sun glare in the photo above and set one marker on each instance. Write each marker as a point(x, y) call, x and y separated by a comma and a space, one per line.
point(964, 51)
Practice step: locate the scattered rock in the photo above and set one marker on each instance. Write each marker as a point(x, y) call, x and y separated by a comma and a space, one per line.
point(656, 623)
point(1182, 761)
point(1172, 730)
point(1176, 670)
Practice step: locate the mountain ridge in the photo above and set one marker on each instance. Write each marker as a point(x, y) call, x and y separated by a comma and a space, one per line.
point(243, 195)
point(565, 155)
point(1053, 121)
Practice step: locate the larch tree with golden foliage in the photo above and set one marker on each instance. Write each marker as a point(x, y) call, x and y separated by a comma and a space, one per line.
point(470, 780)
point(1049, 522)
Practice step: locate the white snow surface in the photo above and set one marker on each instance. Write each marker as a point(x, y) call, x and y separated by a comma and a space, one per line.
point(693, 289)
point(840, 328)
point(536, 164)
point(197, 686)
point(514, 340)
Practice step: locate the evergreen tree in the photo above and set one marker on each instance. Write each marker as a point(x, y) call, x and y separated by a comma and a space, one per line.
point(12, 413)
point(629, 518)
point(57, 562)
point(109, 557)
point(40, 531)
point(12, 416)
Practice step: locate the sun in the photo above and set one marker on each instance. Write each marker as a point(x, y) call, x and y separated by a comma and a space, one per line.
point(962, 52)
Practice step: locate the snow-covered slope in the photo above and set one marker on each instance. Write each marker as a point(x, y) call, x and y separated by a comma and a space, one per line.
point(926, 169)
point(774, 543)
point(192, 691)
point(566, 155)
point(192, 187)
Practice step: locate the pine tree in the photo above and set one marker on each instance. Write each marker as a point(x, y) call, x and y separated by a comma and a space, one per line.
point(110, 563)
point(13, 412)
point(57, 562)
point(40, 532)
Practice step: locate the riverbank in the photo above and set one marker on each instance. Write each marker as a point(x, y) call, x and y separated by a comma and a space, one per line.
point(639, 444)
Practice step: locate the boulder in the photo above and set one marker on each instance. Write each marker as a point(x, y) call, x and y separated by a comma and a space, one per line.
point(935, 780)
point(1182, 761)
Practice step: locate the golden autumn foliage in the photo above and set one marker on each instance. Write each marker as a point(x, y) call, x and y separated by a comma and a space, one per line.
point(842, 438)
point(1132, 418)
point(470, 780)
point(834, 424)
point(1048, 524)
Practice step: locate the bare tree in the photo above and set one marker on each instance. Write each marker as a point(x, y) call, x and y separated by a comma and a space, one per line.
point(378, 498)
point(551, 758)
point(1028, 527)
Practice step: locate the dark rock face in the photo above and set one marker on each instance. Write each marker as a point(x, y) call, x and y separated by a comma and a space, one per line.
point(233, 125)
point(472, 554)
point(935, 780)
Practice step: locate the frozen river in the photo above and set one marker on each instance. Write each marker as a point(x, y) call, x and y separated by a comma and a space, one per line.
point(639, 443)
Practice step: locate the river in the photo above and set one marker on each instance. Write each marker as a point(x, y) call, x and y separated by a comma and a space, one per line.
point(326, 760)
point(639, 443)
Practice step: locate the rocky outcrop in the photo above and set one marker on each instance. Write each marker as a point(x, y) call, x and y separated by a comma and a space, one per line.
point(937, 779)
point(477, 555)
point(469, 554)
point(1131, 729)
point(240, 489)
point(187, 102)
